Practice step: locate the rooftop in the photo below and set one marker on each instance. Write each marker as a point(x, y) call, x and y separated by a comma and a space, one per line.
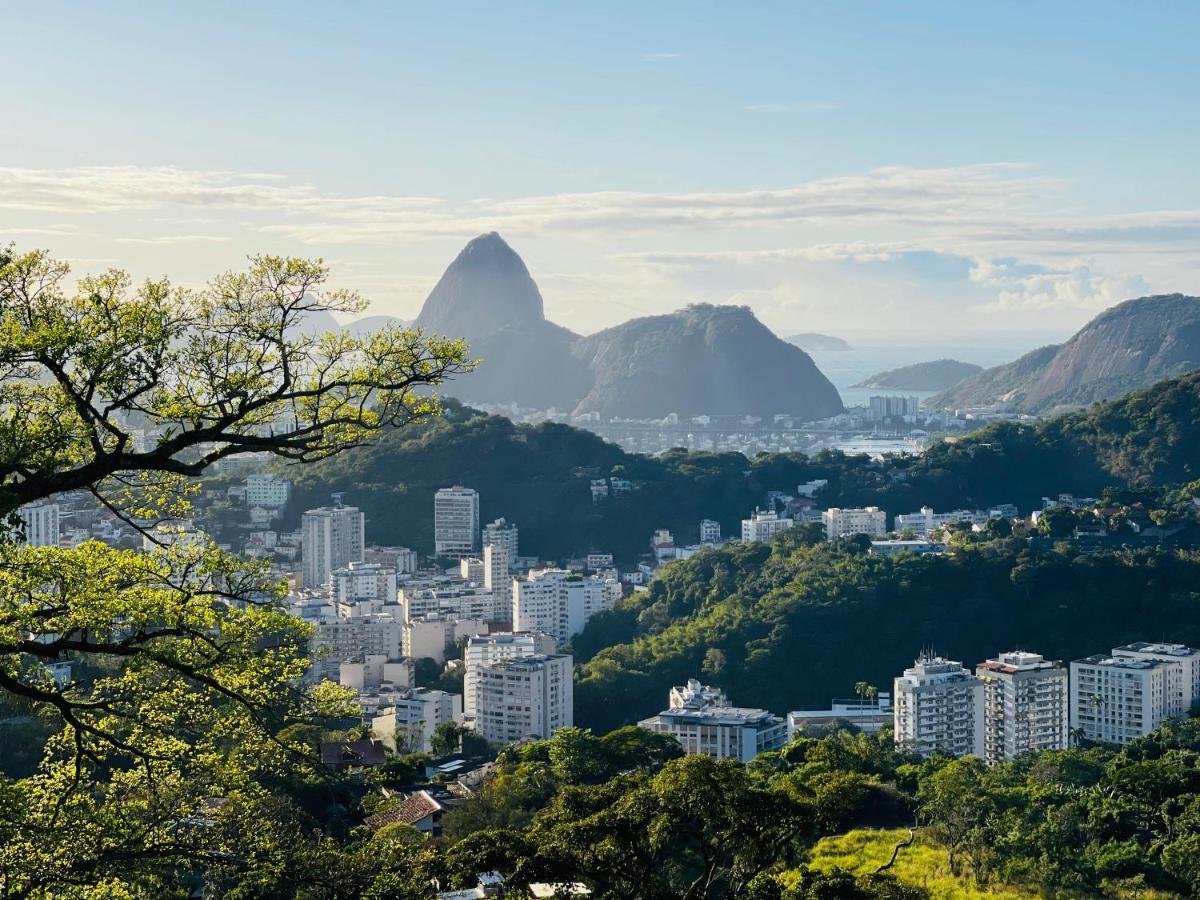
point(1180, 650)
point(723, 715)
point(364, 752)
point(1119, 662)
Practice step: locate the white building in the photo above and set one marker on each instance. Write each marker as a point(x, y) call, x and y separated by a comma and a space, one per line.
point(367, 586)
point(869, 520)
point(489, 649)
point(926, 521)
point(429, 637)
point(332, 537)
point(498, 580)
point(559, 603)
point(530, 696)
point(893, 407)
point(403, 560)
point(939, 709)
point(267, 491)
point(1185, 688)
point(1116, 699)
point(343, 640)
point(763, 525)
point(598, 562)
point(373, 672)
point(867, 715)
point(710, 531)
point(456, 522)
point(503, 533)
point(721, 732)
point(695, 695)
point(1025, 705)
point(40, 524)
point(449, 598)
point(409, 725)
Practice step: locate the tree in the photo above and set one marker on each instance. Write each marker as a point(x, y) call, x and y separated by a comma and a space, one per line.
point(126, 394)
point(865, 691)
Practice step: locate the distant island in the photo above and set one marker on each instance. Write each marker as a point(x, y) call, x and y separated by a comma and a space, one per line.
point(937, 375)
point(810, 340)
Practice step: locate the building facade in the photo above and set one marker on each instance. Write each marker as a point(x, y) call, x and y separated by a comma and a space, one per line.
point(40, 524)
point(1025, 705)
point(267, 491)
point(409, 725)
point(331, 537)
point(505, 534)
point(763, 525)
point(938, 709)
point(558, 602)
point(487, 650)
point(721, 732)
point(530, 696)
point(869, 520)
point(456, 522)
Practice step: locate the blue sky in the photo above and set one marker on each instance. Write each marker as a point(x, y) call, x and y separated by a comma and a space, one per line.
point(843, 167)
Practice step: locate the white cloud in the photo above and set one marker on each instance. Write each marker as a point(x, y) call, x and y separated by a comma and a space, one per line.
point(660, 57)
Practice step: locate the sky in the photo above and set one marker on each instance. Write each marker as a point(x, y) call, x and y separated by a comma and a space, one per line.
point(916, 171)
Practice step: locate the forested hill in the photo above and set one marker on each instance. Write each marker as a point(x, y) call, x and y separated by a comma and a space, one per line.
point(540, 476)
point(790, 626)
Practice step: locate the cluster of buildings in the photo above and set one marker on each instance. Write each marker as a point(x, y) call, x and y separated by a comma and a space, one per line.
point(1020, 702)
point(494, 615)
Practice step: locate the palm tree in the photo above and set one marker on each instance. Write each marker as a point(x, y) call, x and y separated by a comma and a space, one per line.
point(865, 691)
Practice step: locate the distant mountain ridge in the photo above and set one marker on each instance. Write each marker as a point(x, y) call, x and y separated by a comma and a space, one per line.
point(701, 359)
point(1130, 346)
point(937, 375)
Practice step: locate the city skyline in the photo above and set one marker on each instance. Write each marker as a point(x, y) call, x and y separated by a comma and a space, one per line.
point(844, 170)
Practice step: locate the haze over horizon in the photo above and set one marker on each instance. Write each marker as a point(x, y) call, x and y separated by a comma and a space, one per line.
point(638, 160)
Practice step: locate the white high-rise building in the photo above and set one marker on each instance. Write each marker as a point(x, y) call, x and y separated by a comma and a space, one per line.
point(938, 709)
point(869, 520)
point(331, 537)
point(1185, 687)
point(1119, 698)
point(503, 533)
point(763, 525)
point(530, 696)
point(559, 603)
point(497, 578)
point(456, 522)
point(710, 531)
point(267, 491)
point(1025, 705)
point(40, 524)
point(409, 724)
point(489, 649)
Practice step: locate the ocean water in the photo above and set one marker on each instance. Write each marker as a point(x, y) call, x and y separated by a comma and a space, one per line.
point(870, 356)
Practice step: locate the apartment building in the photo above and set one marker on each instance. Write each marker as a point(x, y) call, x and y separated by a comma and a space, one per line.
point(938, 709)
point(456, 522)
point(558, 602)
point(763, 526)
point(486, 650)
point(409, 724)
point(504, 534)
point(332, 537)
point(529, 696)
point(720, 732)
point(869, 520)
point(1025, 705)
